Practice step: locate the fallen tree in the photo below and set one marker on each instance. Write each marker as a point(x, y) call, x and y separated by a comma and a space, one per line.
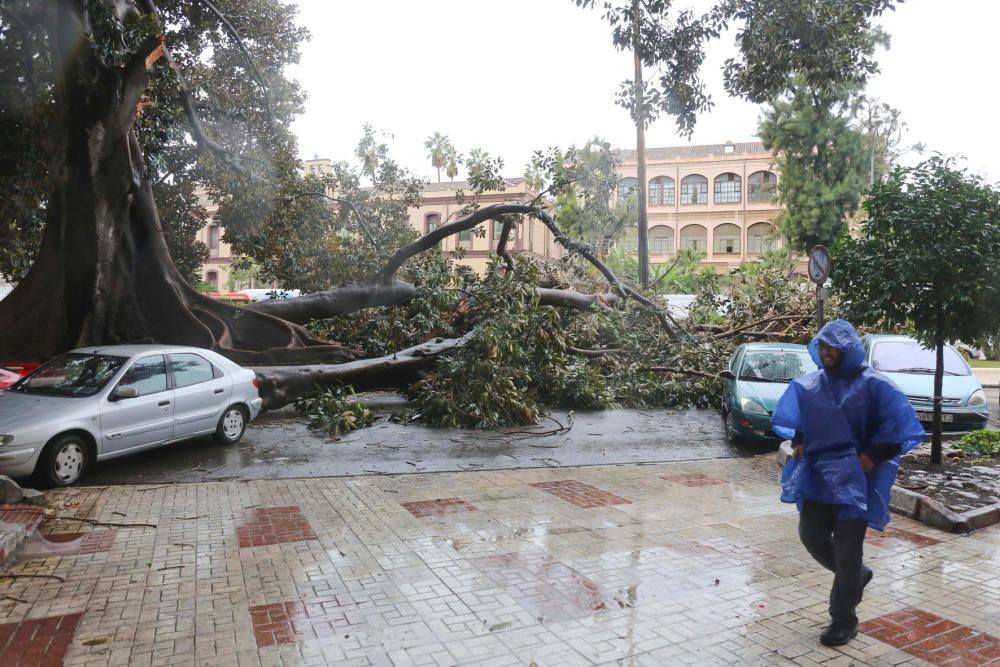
point(114, 94)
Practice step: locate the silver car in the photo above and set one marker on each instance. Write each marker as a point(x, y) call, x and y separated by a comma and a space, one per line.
point(97, 403)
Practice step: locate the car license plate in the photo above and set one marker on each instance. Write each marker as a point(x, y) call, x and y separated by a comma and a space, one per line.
point(929, 417)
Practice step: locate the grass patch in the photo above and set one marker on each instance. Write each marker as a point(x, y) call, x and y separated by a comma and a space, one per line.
point(984, 363)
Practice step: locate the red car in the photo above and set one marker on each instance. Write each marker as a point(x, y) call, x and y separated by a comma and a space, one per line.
point(7, 378)
point(12, 373)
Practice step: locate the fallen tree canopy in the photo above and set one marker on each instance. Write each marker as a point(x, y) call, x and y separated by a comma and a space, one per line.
point(470, 350)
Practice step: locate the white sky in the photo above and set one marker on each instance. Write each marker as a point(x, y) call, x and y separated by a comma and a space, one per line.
point(516, 76)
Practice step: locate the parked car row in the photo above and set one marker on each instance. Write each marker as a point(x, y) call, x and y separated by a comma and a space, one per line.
point(758, 373)
point(98, 403)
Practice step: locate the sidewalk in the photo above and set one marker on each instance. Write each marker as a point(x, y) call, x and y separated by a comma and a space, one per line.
point(661, 564)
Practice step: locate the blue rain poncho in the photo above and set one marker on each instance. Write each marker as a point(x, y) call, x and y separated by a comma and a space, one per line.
point(839, 413)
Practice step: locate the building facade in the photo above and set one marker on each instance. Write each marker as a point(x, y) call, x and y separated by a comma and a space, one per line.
point(530, 237)
point(719, 199)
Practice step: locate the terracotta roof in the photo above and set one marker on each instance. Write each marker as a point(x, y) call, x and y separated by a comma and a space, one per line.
point(688, 152)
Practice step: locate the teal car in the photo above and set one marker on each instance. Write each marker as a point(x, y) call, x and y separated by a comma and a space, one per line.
point(753, 381)
point(911, 366)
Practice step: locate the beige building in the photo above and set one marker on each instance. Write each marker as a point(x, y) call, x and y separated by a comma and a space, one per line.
point(718, 199)
point(531, 237)
point(215, 272)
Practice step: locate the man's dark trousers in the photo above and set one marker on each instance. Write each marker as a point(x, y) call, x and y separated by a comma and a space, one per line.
point(836, 544)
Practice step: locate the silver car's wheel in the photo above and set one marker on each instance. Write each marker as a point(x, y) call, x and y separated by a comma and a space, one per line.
point(64, 461)
point(232, 424)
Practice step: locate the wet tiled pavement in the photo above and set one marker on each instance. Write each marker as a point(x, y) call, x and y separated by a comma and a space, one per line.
point(661, 564)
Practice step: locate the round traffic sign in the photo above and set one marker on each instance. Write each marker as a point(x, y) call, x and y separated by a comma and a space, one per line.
point(819, 264)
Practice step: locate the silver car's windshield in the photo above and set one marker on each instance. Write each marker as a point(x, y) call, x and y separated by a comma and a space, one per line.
point(912, 357)
point(74, 375)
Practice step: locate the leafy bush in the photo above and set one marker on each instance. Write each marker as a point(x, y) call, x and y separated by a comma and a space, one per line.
point(981, 442)
point(329, 410)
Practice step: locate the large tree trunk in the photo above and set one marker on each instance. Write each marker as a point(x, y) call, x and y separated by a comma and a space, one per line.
point(103, 274)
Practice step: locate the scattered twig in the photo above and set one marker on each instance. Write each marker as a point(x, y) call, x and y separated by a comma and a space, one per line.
point(154, 488)
point(182, 544)
point(33, 576)
point(679, 371)
point(545, 461)
point(94, 522)
point(119, 514)
point(595, 353)
point(169, 567)
point(4, 596)
point(190, 518)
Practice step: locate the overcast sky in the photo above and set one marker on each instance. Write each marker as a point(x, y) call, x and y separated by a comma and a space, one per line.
point(516, 76)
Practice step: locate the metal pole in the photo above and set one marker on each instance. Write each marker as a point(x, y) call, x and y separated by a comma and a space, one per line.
point(820, 299)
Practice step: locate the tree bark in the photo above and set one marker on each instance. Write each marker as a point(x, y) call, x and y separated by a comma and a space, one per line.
point(103, 274)
point(936, 449)
point(280, 385)
point(334, 302)
point(640, 148)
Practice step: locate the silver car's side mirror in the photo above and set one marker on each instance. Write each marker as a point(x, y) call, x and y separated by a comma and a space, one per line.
point(124, 392)
point(727, 374)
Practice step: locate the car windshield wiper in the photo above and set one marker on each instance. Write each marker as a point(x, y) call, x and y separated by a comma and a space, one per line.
point(751, 378)
point(921, 370)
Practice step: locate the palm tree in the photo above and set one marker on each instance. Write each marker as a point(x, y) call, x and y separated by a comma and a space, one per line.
point(477, 158)
point(437, 146)
point(452, 160)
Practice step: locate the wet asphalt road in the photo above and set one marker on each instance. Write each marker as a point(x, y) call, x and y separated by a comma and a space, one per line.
point(279, 445)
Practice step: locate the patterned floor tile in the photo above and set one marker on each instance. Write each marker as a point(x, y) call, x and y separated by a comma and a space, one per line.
point(543, 586)
point(262, 526)
point(295, 620)
point(439, 507)
point(934, 639)
point(68, 544)
point(897, 537)
point(38, 642)
point(693, 479)
point(580, 494)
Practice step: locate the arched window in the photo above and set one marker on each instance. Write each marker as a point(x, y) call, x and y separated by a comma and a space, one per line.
point(627, 188)
point(762, 186)
point(760, 238)
point(212, 278)
point(694, 237)
point(661, 240)
point(726, 240)
point(661, 191)
point(431, 222)
point(728, 188)
point(694, 189)
point(213, 240)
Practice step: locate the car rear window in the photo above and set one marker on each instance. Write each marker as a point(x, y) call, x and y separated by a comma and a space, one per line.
point(912, 357)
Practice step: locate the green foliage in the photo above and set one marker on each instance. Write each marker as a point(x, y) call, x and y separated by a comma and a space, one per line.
point(298, 238)
point(329, 410)
point(822, 163)
point(583, 182)
point(981, 442)
point(926, 255)
point(229, 102)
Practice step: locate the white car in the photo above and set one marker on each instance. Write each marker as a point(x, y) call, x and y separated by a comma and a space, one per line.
point(96, 403)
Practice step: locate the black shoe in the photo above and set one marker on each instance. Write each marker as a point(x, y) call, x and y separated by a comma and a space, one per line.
point(838, 634)
point(866, 578)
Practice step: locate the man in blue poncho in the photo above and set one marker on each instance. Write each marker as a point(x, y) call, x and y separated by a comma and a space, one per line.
point(848, 424)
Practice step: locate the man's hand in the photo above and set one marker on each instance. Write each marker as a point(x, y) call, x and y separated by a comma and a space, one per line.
point(866, 462)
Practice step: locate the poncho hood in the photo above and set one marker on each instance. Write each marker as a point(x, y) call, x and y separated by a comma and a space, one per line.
point(842, 335)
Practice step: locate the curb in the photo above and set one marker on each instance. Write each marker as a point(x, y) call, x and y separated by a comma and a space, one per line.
point(927, 510)
point(17, 523)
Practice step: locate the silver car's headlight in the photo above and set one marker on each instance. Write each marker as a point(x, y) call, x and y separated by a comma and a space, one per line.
point(5, 439)
point(977, 399)
point(752, 407)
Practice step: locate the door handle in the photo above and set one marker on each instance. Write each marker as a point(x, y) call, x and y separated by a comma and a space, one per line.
point(219, 391)
point(162, 403)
